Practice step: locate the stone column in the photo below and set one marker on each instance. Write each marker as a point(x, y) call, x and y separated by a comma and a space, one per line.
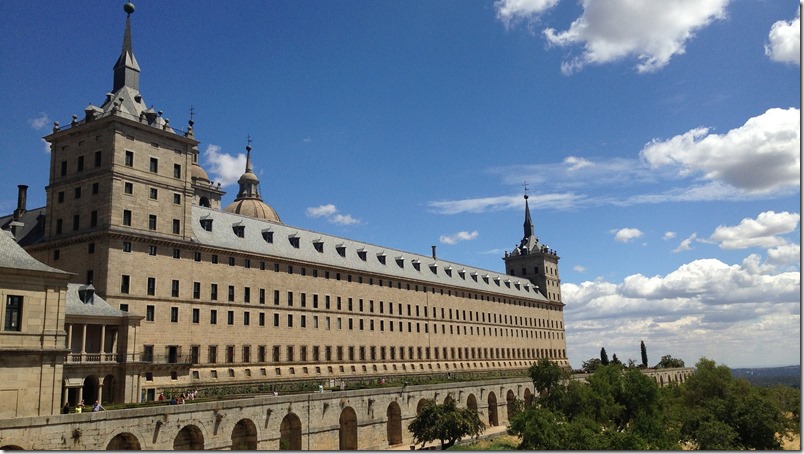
point(84, 341)
point(103, 343)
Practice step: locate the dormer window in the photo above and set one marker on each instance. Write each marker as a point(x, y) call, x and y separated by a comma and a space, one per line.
point(474, 275)
point(381, 257)
point(416, 264)
point(268, 236)
point(362, 254)
point(239, 230)
point(497, 280)
point(486, 278)
point(206, 224)
point(318, 245)
point(400, 261)
point(434, 268)
point(294, 240)
point(462, 273)
point(508, 283)
point(341, 249)
point(448, 270)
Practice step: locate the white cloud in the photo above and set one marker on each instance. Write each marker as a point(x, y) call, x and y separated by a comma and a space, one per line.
point(785, 40)
point(760, 157)
point(498, 203)
point(512, 11)
point(225, 168)
point(763, 231)
point(668, 235)
point(575, 163)
point(685, 244)
point(787, 254)
point(307, 140)
point(651, 31)
point(703, 308)
point(458, 236)
point(40, 122)
point(331, 214)
point(45, 146)
point(579, 268)
point(627, 234)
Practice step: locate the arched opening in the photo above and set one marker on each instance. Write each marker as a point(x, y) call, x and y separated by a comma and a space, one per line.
point(394, 414)
point(420, 405)
point(244, 436)
point(492, 402)
point(90, 391)
point(108, 389)
point(471, 402)
point(348, 430)
point(449, 398)
point(290, 433)
point(189, 438)
point(204, 202)
point(528, 397)
point(510, 404)
point(11, 448)
point(124, 442)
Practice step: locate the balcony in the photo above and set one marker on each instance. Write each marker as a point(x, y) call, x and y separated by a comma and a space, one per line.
point(78, 358)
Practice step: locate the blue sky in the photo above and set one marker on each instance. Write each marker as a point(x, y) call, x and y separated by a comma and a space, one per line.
point(660, 141)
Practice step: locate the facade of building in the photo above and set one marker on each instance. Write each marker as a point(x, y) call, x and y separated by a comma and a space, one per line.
point(196, 294)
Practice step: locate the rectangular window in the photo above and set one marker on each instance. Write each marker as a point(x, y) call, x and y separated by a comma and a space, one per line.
point(247, 295)
point(176, 170)
point(129, 162)
point(290, 298)
point(151, 289)
point(276, 320)
point(153, 194)
point(303, 321)
point(97, 159)
point(76, 222)
point(63, 168)
point(231, 261)
point(231, 293)
point(230, 317)
point(246, 353)
point(262, 296)
point(174, 314)
point(154, 165)
point(151, 222)
point(176, 226)
point(214, 258)
point(80, 164)
point(213, 317)
point(13, 319)
point(128, 188)
point(126, 246)
point(125, 280)
point(196, 315)
point(212, 354)
point(174, 288)
point(213, 292)
point(60, 197)
point(262, 318)
point(276, 297)
point(196, 290)
point(290, 320)
point(77, 192)
point(95, 188)
point(93, 218)
point(246, 318)
point(197, 256)
point(176, 199)
point(149, 313)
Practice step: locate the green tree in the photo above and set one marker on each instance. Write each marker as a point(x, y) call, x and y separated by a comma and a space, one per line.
point(668, 361)
point(616, 360)
point(590, 365)
point(604, 358)
point(445, 422)
point(644, 352)
point(546, 375)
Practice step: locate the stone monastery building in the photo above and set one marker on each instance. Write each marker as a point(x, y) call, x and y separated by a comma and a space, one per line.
point(173, 290)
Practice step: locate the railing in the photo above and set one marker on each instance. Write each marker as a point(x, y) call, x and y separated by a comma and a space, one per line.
point(94, 358)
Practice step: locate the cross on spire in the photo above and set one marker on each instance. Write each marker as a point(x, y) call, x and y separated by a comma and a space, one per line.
point(192, 112)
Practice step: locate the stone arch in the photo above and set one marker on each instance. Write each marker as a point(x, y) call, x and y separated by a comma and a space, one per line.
point(347, 434)
point(90, 391)
point(11, 448)
point(420, 405)
point(492, 402)
point(510, 403)
point(290, 433)
point(528, 397)
point(204, 202)
point(109, 385)
point(124, 441)
point(394, 431)
point(661, 380)
point(244, 436)
point(189, 438)
point(449, 398)
point(471, 402)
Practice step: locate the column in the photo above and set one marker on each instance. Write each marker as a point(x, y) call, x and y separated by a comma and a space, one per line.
point(103, 343)
point(84, 341)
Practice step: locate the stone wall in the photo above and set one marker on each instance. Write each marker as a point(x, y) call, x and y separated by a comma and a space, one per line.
point(363, 419)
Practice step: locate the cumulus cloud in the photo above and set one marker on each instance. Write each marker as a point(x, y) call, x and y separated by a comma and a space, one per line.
point(685, 244)
point(512, 11)
point(786, 254)
point(703, 308)
point(764, 231)
point(627, 234)
point(760, 157)
point(45, 146)
point(668, 235)
point(579, 268)
point(652, 32)
point(225, 168)
point(785, 40)
point(40, 122)
point(458, 236)
point(331, 214)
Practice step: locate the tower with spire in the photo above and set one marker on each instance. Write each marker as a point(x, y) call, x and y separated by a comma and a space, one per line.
point(248, 201)
point(534, 261)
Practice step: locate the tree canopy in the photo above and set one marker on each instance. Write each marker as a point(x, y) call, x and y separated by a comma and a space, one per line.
point(445, 422)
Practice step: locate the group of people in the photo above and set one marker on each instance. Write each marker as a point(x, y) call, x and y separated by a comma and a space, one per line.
point(190, 395)
point(79, 408)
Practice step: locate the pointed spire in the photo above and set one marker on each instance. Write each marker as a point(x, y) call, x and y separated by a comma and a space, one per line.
point(528, 223)
point(248, 156)
point(126, 69)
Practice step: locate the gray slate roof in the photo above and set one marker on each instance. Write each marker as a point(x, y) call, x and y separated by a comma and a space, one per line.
point(12, 255)
point(96, 307)
point(433, 271)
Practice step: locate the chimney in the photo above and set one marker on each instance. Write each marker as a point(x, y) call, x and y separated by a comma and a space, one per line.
point(22, 195)
point(434, 252)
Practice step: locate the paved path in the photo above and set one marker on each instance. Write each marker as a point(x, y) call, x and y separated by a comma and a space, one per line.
point(490, 431)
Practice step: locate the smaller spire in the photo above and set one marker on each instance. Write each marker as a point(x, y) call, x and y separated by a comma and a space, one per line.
point(248, 155)
point(126, 69)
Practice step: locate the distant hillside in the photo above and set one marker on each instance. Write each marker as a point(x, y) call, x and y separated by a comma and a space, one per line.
point(769, 376)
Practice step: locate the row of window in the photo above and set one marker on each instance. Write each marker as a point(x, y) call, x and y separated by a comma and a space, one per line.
point(380, 325)
point(328, 353)
point(152, 222)
point(93, 222)
point(79, 167)
point(95, 189)
point(153, 164)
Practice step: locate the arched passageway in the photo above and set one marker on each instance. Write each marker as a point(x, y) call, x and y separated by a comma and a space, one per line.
point(420, 405)
point(492, 402)
point(471, 402)
point(244, 436)
point(510, 404)
point(290, 433)
point(528, 397)
point(90, 391)
point(394, 414)
point(108, 395)
point(189, 438)
point(11, 448)
point(124, 441)
point(348, 430)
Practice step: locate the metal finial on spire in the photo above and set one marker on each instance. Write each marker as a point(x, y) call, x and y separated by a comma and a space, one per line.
point(525, 185)
point(192, 112)
point(128, 8)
